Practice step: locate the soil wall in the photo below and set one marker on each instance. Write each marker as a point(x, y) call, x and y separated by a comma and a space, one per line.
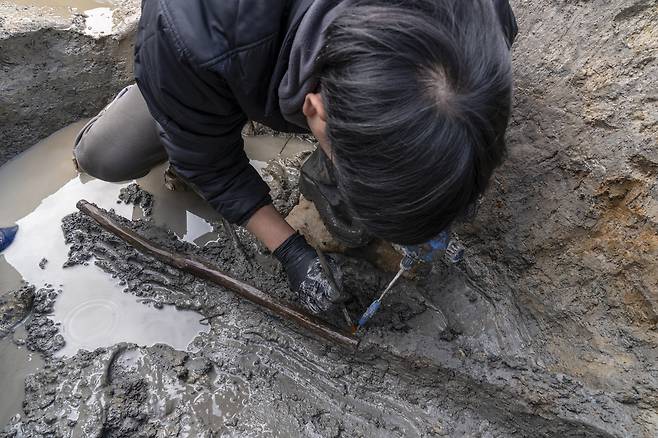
point(56, 68)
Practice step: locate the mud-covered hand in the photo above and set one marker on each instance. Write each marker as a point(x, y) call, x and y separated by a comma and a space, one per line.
point(306, 275)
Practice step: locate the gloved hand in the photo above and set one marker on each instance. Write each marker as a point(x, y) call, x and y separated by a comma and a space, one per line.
point(306, 275)
point(7, 236)
point(426, 252)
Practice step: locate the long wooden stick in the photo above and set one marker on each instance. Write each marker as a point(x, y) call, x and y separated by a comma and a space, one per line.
point(205, 270)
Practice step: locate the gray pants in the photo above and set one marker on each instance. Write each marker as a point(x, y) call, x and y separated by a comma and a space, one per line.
point(122, 142)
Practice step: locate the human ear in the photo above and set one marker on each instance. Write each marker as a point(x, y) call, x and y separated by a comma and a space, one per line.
point(314, 106)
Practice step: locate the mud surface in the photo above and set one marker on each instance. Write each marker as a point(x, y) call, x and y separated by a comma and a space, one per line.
point(549, 325)
point(43, 335)
point(412, 376)
point(314, 388)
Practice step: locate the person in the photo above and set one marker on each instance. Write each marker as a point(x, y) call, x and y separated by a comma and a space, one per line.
point(409, 101)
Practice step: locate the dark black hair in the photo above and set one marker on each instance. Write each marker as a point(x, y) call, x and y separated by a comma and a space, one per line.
point(417, 95)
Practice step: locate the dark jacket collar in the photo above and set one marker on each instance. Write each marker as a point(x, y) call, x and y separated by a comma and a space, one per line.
point(296, 12)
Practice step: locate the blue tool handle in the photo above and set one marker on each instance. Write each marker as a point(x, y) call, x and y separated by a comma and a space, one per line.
point(372, 309)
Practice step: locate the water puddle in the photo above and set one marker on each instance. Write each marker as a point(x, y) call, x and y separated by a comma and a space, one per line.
point(182, 212)
point(98, 14)
point(16, 363)
point(92, 309)
point(40, 187)
point(98, 21)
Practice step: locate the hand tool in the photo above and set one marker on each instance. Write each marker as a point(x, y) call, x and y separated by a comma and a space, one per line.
point(424, 253)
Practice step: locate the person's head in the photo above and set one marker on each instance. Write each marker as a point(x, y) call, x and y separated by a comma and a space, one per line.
point(413, 104)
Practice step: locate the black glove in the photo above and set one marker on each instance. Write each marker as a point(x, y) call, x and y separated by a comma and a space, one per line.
point(318, 184)
point(306, 276)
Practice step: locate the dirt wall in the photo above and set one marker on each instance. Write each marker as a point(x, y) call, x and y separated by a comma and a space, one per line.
point(566, 237)
point(56, 68)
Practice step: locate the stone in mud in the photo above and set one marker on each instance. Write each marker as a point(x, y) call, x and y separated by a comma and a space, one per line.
point(43, 262)
point(304, 217)
point(134, 194)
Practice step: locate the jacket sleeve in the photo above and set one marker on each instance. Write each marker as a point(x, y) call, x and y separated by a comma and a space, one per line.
point(507, 20)
point(200, 119)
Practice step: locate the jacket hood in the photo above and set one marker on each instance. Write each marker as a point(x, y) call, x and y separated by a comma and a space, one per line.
point(300, 78)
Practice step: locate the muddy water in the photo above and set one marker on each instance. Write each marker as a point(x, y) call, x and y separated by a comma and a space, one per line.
point(16, 363)
point(98, 14)
point(39, 188)
point(66, 6)
point(91, 310)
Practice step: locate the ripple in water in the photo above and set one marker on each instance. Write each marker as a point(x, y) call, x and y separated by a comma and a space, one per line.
point(92, 309)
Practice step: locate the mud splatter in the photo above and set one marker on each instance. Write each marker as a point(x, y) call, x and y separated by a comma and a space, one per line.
point(43, 334)
point(15, 306)
point(134, 194)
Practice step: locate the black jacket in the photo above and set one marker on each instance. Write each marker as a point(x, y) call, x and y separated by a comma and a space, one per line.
point(205, 67)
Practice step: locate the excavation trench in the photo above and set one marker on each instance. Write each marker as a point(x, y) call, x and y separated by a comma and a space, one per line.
point(547, 328)
point(412, 375)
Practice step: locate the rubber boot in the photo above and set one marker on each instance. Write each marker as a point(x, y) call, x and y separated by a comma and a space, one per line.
point(7, 236)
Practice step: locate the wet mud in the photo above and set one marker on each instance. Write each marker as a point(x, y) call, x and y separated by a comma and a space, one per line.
point(548, 327)
point(414, 374)
point(135, 195)
point(43, 334)
point(14, 308)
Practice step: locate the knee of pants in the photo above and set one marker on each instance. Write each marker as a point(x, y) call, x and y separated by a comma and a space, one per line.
point(98, 161)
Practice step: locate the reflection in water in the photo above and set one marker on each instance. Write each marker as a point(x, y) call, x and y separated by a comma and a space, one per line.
point(92, 310)
point(98, 21)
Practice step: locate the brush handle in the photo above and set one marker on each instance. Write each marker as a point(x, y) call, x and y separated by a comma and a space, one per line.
point(372, 309)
